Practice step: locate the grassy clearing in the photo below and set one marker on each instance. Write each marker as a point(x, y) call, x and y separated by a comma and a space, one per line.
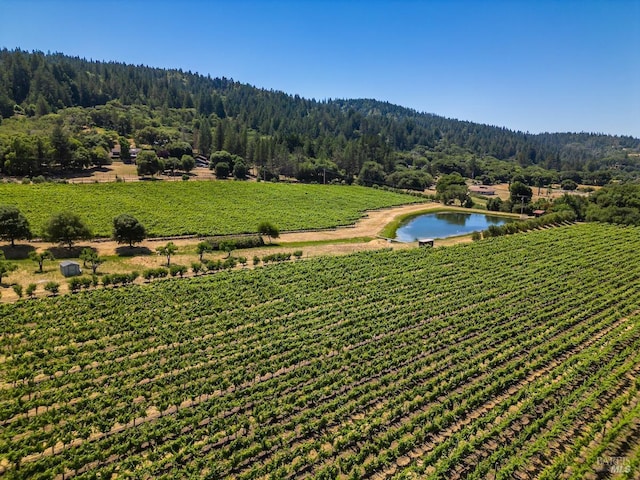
point(312, 243)
point(201, 208)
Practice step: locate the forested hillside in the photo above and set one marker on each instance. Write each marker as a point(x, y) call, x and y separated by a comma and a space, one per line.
point(63, 112)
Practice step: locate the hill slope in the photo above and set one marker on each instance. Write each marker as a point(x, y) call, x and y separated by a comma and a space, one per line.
point(273, 129)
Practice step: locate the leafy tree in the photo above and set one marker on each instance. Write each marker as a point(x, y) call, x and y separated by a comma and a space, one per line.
point(446, 181)
point(494, 204)
point(240, 170)
point(568, 184)
point(371, 173)
point(100, 156)
point(66, 228)
point(410, 179)
point(148, 163)
point(202, 248)
point(222, 170)
point(61, 146)
point(125, 154)
point(39, 258)
point(13, 224)
point(269, 230)
point(227, 246)
point(178, 149)
point(220, 156)
point(452, 187)
point(205, 139)
point(520, 192)
point(615, 204)
point(455, 192)
point(167, 250)
point(127, 229)
point(17, 288)
point(172, 163)
point(187, 163)
point(90, 256)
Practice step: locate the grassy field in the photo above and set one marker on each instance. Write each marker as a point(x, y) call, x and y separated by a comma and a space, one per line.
point(206, 208)
point(513, 357)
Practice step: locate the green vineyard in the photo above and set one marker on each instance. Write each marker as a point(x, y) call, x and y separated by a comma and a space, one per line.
point(201, 208)
point(513, 357)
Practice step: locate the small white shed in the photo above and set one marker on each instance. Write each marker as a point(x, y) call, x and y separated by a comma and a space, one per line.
point(425, 242)
point(69, 269)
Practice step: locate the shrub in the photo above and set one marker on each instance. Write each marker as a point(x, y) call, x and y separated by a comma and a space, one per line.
point(31, 289)
point(297, 254)
point(177, 270)
point(276, 257)
point(229, 263)
point(17, 288)
point(52, 287)
point(152, 273)
point(213, 265)
point(74, 284)
point(240, 241)
point(256, 260)
point(196, 267)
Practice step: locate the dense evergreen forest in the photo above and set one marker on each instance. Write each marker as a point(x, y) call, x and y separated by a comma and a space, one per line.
point(62, 113)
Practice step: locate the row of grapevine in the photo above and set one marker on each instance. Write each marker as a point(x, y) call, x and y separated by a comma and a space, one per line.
point(514, 356)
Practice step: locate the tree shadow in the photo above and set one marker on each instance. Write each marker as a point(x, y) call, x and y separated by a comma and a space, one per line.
point(17, 252)
point(132, 251)
point(66, 252)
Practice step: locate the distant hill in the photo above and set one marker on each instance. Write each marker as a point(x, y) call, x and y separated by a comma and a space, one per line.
point(279, 132)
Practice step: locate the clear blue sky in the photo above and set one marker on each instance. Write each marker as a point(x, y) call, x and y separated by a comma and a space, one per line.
point(534, 66)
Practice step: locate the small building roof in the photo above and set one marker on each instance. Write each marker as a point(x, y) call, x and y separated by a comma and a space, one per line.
point(68, 263)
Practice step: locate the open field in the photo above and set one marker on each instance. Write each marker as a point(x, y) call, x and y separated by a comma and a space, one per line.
point(513, 357)
point(204, 208)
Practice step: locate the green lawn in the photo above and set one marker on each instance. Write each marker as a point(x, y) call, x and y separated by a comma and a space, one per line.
point(206, 208)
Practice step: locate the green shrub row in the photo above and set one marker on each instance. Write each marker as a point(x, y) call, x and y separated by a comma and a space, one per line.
point(119, 278)
point(239, 241)
point(523, 226)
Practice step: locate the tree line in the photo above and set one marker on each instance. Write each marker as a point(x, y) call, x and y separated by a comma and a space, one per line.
point(279, 134)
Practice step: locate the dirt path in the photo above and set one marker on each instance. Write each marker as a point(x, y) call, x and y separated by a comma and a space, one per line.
point(369, 226)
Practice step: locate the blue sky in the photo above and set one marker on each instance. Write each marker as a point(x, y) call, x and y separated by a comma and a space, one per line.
point(526, 65)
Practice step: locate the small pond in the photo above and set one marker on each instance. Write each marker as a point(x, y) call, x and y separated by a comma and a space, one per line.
point(446, 224)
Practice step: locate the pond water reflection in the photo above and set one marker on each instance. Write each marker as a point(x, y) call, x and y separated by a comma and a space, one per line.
point(446, 224)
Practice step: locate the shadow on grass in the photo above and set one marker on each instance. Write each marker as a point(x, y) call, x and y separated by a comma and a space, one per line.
point(18, 252)
point(132, 251)
point(66, 252)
